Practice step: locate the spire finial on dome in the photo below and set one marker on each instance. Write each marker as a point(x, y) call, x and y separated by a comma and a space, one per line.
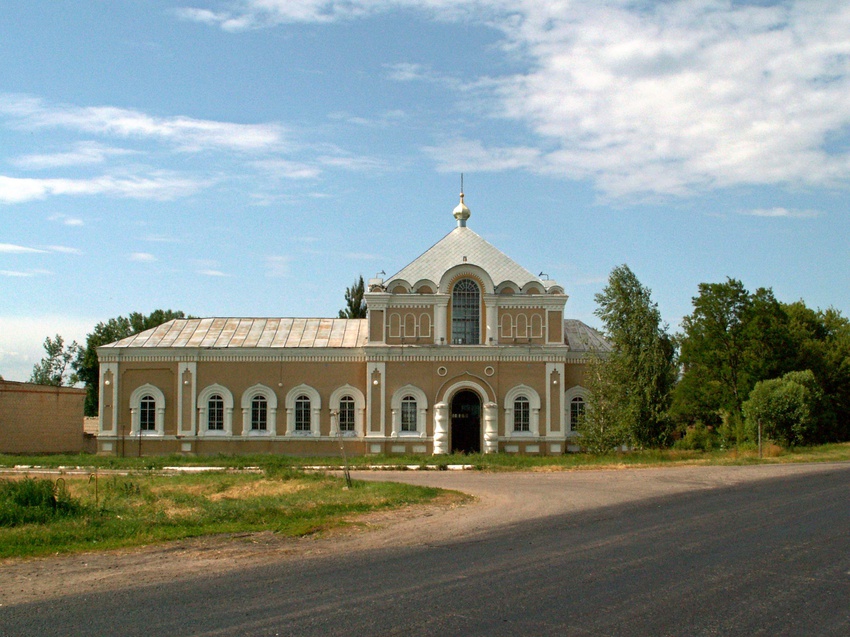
point(461, 212)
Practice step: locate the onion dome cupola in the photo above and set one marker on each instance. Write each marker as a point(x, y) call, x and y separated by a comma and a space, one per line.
point(461, 213)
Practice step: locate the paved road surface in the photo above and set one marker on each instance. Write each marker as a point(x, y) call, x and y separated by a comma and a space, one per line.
point(699, 551)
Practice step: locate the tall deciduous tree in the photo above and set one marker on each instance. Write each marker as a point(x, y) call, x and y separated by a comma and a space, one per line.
point(355, 304)
point(54, 369)
point(640, 370)
point(86, 365)
point(731, 340)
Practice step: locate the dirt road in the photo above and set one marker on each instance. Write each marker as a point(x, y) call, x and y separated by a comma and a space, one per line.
point(500, 499)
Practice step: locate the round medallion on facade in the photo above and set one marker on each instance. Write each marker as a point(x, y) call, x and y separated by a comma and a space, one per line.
point(442, 371)
point(489, 371)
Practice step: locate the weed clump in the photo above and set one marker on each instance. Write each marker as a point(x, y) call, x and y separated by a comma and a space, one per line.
point(35, 501)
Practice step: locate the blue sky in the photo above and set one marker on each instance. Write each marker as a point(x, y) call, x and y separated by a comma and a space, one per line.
point(253, 157)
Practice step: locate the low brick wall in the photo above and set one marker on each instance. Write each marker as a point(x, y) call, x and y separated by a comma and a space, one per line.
point(41, 419)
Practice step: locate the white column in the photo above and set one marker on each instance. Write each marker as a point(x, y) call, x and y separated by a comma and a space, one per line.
point(334, 422)
point(492, 336)
point(491, 428)
point(441, 434)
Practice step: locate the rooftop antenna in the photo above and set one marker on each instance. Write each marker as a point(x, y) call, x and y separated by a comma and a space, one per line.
point(461, 183)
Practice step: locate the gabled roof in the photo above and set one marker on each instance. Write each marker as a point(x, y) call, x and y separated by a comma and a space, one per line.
point(251, 332)
point(583, 338)
point(451, 250)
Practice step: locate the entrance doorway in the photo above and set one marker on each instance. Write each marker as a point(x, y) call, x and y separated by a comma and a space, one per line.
point(466, 422)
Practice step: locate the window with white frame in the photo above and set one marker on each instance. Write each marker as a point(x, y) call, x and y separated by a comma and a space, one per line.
point(346, 414)
point(215, 413)
point(302, 413)
point(147, 413)
point(577, 406)
point(522, 414)
point(466, 313)
point(259, 413)
point(408, 413)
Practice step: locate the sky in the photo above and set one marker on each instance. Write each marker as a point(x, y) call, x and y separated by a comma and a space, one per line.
point(254, 157)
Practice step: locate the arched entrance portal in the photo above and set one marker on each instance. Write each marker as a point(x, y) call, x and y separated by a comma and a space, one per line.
point(466, 422)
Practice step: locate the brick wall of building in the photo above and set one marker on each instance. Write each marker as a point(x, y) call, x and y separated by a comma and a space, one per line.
point(41, 419)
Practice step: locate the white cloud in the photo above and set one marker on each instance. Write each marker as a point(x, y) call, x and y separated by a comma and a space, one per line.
point(142, 257)
point(158, 186)
point(10, 248)
point(25, 273)
point(463, 155)
point(669, 97)
point(85, 153)
point(64, 250)
point(277, 266)
point(782, 212)
point(288, 169)
point(186, 133)
point(66, 220)
point(216, 273)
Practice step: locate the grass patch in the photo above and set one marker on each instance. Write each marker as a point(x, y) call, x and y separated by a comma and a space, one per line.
point(137, 509)
point(280, 465)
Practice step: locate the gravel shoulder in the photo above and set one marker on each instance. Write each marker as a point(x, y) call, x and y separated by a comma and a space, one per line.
point(499, 499)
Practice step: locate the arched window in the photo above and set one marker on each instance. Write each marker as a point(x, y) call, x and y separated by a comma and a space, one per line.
point(215, 413)
point(346, 413)
point(576, 412)
point(466, 313)
point(302, 413)
point(259, 413)
point(522, 414)
point(408, 413)
point(147, 413)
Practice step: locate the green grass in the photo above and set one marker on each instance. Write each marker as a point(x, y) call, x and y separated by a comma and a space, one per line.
point(492, 462)
point(138, 509)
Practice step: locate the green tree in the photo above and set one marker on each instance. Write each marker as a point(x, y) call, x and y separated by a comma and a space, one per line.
point(730, 341)
point(355, 304)
point(602, 427)
point(86, 365)
point(53, 369)
point(640, 370)
point(787, 408)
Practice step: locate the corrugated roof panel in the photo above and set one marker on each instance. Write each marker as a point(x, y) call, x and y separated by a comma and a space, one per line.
point(283, 329)
point(583, 338)
point(337, 333)
point(212, 333)
point(189, 327)
point(255, 331)
point(269, 331)
point(173, 332)
point(295, 333)
point(159, 332)
point(323, 334)
point(242, 329)
point(227, 332)
point(200, 332)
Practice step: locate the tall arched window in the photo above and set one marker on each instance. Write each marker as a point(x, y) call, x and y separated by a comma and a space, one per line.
point(408, 413)
point(147, 413)
point(466, 313)
point(215, 413)
point(346, 414)
point(576, 412)
point(522, 414)
point(259, 413)
point(302, 413)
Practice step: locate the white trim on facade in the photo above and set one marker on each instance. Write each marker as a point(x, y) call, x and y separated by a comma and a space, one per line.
point(203, 408)
point(315, 410)
point(573, 392)
point(359, 409)
point(135, 405)
point(534, 412)
point(271, 405)
point(421, 411)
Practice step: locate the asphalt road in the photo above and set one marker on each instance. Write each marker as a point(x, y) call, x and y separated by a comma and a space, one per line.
point(765, 557)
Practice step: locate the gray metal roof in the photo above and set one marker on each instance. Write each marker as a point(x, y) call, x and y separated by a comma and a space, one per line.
point(251, 332)
point(451, 250)
point(583, 338)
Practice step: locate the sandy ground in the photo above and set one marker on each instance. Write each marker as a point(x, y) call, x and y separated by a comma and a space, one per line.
point(500, 499)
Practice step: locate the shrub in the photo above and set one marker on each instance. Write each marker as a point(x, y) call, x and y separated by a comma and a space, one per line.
point(698, 438)
point(34, 501)
point(786, 408)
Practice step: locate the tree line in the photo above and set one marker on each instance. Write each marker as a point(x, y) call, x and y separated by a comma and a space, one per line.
point(742, 362)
